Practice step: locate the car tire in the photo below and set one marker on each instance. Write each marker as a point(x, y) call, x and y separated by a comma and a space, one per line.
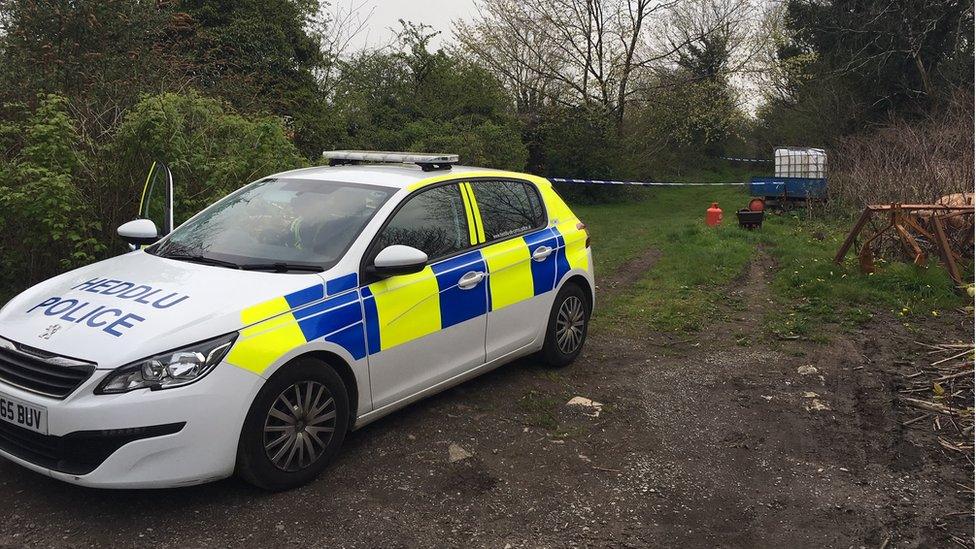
point(283, 444)
point(570, 312)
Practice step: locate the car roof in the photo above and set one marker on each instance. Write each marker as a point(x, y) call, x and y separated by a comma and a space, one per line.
point(398, 176)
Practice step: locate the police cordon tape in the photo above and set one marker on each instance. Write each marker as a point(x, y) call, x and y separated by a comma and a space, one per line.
point(643, 183)
point(734, 159)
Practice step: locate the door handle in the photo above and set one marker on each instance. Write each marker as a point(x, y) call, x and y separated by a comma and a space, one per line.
point(471, 279)
point(541, 253)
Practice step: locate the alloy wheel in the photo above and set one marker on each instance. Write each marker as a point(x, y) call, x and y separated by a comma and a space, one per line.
point(299, 426)
point(569, 325)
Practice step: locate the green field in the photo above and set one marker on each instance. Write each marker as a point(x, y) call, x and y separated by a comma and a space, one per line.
point(696, 266)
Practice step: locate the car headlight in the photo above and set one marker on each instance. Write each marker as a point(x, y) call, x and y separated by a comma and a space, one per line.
point(170, 369)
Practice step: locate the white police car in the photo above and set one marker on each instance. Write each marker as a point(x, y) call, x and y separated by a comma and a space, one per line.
point(303, 305)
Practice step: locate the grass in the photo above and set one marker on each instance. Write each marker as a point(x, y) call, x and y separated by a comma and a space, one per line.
point(695, 262)
point(684, 289)
point(812, 288)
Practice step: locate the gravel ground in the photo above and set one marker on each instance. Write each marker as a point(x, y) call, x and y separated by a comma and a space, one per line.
point(702, 440)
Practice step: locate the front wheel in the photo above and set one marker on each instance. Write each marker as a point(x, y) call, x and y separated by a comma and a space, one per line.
point(294, 427)
point(568, 322)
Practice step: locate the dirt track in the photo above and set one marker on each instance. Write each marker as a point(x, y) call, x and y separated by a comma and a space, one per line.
point(704, 440)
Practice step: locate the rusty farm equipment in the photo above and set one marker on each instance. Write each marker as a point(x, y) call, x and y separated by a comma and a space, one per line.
point(945, 229)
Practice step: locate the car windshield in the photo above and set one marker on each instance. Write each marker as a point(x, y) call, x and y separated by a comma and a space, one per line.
point(277, 224)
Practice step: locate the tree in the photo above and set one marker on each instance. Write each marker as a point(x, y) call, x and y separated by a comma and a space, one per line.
point(579, 52)
point(211, 149)
point(598, 54)
point(888, 56)
point(100, 55)
point(521, 60)
point(259, 56)
point(411, 98)
point(47, 223)
point(714, 39)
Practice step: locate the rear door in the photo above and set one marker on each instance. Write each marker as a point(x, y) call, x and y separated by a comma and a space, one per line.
point(520, 253)
point(427, 327)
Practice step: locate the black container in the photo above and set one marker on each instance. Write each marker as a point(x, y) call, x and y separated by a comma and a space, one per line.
point(750, 219)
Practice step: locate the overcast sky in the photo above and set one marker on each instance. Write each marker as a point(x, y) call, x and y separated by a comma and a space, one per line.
point(436, 13)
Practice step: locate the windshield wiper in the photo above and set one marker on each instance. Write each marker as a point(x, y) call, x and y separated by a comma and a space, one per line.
point(202, 259)
point(281, 267)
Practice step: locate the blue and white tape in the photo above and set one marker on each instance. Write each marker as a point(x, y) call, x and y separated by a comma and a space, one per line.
point(643, 183)
point(759, 160)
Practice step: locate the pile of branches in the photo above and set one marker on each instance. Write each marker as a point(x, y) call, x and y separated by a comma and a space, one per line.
point(942, 392)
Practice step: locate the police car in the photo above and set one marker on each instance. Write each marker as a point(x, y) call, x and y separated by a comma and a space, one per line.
point(253, 337)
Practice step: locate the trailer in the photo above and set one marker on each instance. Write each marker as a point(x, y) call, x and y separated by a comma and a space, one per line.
point(800, 174)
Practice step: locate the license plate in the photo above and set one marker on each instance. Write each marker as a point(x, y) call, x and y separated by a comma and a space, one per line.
point(29, 416)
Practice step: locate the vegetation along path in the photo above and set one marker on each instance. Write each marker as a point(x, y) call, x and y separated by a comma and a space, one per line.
point(742, 406)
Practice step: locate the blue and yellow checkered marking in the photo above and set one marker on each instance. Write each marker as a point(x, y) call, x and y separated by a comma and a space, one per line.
point(457, 305)
point(342, 284)
point(306, 296)
point(372, 320)
point(278, 325)
point(405, 308)
point(513, 275)
point(400, 309)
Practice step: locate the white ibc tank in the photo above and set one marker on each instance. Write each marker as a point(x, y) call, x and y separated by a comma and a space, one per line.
point(801, 162)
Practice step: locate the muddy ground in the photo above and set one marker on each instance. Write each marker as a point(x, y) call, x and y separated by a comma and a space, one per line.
point(704, 440)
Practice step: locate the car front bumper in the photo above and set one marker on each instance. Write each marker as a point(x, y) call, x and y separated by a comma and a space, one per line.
point(152, 439)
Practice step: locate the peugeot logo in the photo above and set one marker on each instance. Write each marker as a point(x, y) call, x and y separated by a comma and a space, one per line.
point(50, 331)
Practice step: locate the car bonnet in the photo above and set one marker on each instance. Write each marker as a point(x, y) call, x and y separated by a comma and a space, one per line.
point(135, 305)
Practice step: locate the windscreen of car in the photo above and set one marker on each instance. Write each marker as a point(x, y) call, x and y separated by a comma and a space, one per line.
point(277, 224)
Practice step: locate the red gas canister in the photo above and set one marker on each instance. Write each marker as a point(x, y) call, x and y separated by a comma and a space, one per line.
point(713, 215)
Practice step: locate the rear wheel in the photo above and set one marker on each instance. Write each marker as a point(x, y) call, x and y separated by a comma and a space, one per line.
point(568, 322)
point(295, 426)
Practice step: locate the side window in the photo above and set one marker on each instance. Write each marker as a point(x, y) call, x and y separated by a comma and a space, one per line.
point(508, 208)
point(432, 221)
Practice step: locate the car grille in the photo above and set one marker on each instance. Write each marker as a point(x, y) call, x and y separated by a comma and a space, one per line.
point(40, 372)
point(77, 453)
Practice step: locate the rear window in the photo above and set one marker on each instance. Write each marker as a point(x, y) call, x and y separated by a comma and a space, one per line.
point(508, 208)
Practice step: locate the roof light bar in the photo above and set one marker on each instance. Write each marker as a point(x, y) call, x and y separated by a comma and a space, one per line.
point(427, 161)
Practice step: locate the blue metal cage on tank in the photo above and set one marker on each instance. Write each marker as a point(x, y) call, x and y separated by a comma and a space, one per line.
point(800, 173)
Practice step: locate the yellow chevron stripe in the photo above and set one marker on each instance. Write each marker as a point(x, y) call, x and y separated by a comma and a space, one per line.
point(468, 210)
point(477, 213)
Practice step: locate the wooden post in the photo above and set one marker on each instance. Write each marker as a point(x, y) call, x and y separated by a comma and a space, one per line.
point(849, 241)
point(943, 242)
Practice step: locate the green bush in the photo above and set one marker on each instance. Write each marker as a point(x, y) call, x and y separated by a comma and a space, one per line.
point(210, 149)
point(62, 197)
point(47, 224)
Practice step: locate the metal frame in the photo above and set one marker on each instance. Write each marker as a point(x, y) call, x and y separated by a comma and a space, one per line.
point(908, 221)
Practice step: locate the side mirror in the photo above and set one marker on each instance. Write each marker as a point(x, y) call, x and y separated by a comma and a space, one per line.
point(139, 232)
point(399, 260)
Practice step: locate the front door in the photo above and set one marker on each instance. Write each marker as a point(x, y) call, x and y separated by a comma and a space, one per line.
point(427, 327)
